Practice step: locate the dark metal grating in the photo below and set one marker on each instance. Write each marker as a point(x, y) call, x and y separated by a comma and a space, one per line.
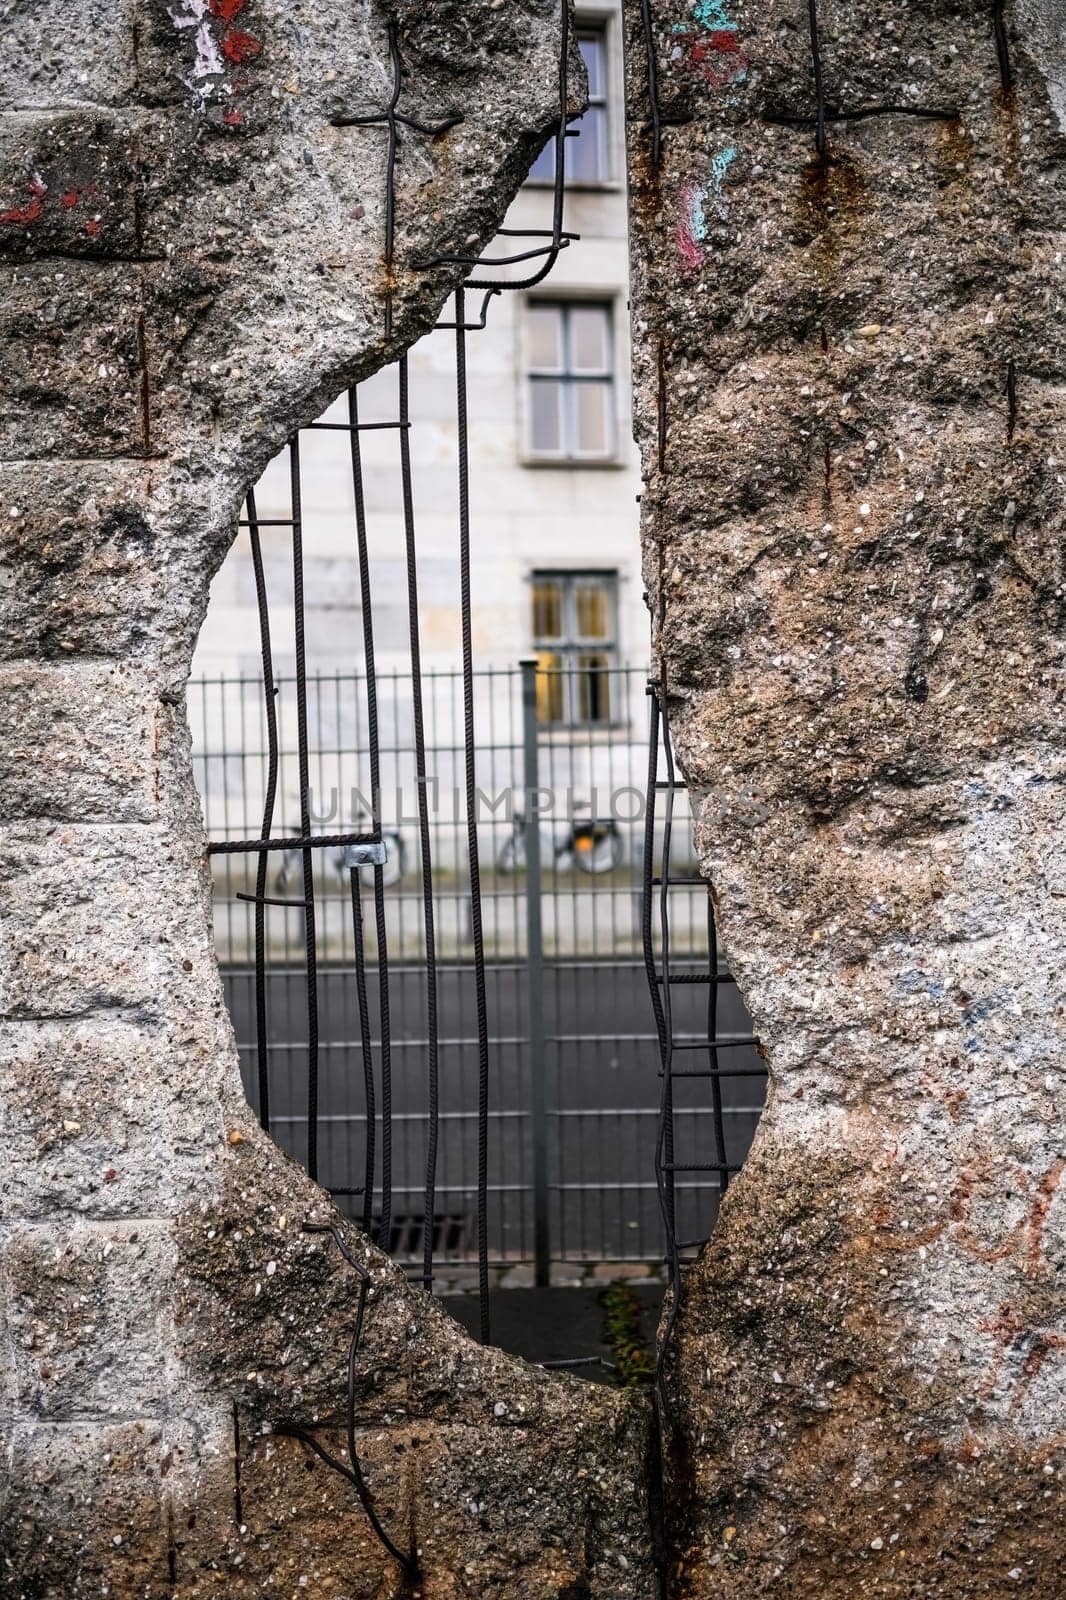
point(662, 979)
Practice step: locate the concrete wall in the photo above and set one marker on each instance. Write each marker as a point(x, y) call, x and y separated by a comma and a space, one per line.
point(850, 407)
point(191, 243)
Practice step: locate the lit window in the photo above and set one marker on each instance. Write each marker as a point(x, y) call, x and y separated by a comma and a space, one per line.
point(574, 637)
point(586, 147)
point(571, 381)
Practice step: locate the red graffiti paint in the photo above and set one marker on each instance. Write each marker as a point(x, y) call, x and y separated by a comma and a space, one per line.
point(710, 57)
point(22, 216)
point(71, 198)
point(238, 46)
point(226, 10)
point(93, 227)
point(233, 118)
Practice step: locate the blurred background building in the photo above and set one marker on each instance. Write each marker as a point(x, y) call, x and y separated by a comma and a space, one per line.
point(555, 552)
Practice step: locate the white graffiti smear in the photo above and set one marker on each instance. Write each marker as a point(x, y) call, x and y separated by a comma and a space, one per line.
point(208, 68)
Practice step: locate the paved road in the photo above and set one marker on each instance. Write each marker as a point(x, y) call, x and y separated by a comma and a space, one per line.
point(558, 1324)
point(601, 1075)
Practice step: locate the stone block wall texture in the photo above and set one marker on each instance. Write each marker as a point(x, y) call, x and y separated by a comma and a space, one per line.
point(851, 399)
point(191, 245)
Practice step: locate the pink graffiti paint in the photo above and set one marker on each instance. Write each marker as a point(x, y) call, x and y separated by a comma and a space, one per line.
point(22, 216)
point(691, 228)
point(233, 118)
point(93, 226)
point(697, 200)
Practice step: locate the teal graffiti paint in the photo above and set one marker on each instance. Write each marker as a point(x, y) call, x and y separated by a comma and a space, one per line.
point(720, 166)
point(697, 199)
point(712, 14)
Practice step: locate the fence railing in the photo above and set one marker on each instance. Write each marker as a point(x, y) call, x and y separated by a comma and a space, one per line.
point(574, 1054)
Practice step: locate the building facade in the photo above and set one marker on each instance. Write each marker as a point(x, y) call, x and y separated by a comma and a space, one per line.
point(554, 471)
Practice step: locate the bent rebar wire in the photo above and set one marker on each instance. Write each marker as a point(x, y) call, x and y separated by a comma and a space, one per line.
point(392, 119)
point(819, 87)
point(470, 773)
point(270, 701)
point(350, 1469)
point(662, 980)
point(381, 930)
point(559, 239)
point(999, 29)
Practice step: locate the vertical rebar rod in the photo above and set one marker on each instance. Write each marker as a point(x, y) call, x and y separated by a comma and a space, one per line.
point(559, 191)
point(535, 977)
point(421, 783)
point(262, 1044)
point(390, 174)
point(374, 757)
point(714, 1061)
point(999, 28)
point(366, 1045)
point(664, 1143)
point(652, 80)
point(473, 858)
point(648, 873)
point(667, 992)
point(819, 87)
point(552, 251)
point(303, 767)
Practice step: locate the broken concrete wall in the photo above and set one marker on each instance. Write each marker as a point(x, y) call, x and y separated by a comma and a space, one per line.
point(851, 403)
point(191, 238)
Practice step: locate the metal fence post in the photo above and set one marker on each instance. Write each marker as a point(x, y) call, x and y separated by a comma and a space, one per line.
point(535, 978)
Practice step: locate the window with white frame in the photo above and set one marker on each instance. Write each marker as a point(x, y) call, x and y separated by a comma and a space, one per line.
point(587, 155)
point(575, 623)
point(571, 380)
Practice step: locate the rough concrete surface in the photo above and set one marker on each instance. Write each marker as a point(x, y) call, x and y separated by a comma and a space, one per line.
point(850, 393)
point(192, 240)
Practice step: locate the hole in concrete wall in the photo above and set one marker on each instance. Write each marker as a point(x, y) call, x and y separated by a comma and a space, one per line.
point(516, 1143)
point(570, 1179)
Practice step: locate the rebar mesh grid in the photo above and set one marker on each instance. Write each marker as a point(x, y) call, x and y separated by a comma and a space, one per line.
point(663, 978)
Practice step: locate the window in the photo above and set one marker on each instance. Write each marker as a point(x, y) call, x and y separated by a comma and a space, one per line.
point(574, 637)
point(571, 381)
point(586, 146)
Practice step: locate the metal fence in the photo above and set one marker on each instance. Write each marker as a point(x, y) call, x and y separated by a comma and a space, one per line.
point(574, 1047)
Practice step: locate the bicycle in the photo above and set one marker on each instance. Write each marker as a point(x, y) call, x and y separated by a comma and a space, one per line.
point(594, 846)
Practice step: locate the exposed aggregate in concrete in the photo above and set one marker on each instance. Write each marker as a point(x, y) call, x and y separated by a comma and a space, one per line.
point(850, 382)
